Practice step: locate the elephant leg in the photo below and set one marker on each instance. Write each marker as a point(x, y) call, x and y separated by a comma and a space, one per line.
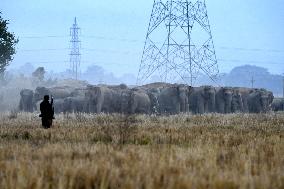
point(184, 106)
point(206, 107)
point(200, 107)
point(98, 108)
point(87, 109)
point(228, 108)
point(92, 108)
point(187, 106)
point(21, 105)
point(178, 109)
point(133, 108)
point(221, 108)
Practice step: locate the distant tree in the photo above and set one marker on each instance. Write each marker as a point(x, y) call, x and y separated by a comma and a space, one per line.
point(39, 73)
point(7, 45)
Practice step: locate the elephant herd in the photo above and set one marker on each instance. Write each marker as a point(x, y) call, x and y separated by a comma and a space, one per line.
point(155, 98)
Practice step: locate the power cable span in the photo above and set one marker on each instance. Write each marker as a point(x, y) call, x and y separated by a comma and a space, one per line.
point(138, 41)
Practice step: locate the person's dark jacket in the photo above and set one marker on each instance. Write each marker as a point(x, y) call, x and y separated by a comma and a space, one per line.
point(46, 110)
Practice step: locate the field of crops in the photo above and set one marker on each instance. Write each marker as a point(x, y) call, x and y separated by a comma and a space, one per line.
point(114, 151)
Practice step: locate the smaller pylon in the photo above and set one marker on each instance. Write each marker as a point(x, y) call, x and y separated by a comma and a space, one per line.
point(75, 55)
point(252, 82)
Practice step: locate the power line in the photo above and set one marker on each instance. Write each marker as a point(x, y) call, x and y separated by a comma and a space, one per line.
point(36, 50)
point(42, 37)
point(136, 53)
point(101, 63)
point(83, 49)
point(250, 49)
point(248, 61)
point(219, 60)
point(128, 52)
point(139, 41)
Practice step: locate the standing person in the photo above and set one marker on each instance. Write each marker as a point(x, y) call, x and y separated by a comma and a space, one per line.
point(47, 112)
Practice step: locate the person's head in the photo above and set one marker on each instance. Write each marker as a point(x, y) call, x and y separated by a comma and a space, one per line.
point(46, 98)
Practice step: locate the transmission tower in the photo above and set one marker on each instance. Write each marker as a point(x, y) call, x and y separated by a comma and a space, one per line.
point(179, 44)
point(75, 56)
point(252, 82)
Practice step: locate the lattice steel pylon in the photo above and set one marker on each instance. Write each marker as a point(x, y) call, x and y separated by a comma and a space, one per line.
point(75, 55)
point(179, 43)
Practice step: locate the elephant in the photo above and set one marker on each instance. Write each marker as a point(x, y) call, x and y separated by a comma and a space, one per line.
point(153, 94)
point(260, 101)
point(74, 104)
point(59, 106)
point(237, 101)
point(102, 99)
point(125, 102)
point(56, 92)
point(61, 92)
point(244, 92)
point(140, 102)
point(267, 100)
point(174, 99)
point(40, 92)
point(224, 97)
point(168, 100)
point(184, 92)
point(78, 92)
point(278, 104)
point(118, 87)
point(157, 85)
point(26, 102)
point(202, 100)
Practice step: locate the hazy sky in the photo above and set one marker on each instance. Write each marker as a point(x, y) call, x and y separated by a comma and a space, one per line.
point(113, 32)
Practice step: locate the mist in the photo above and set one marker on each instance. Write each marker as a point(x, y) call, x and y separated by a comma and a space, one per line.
point(24, 78)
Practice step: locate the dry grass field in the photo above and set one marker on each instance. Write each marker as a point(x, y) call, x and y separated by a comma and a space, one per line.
point(115, 151)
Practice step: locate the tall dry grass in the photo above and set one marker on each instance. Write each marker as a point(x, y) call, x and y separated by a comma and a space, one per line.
point(115, 151)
